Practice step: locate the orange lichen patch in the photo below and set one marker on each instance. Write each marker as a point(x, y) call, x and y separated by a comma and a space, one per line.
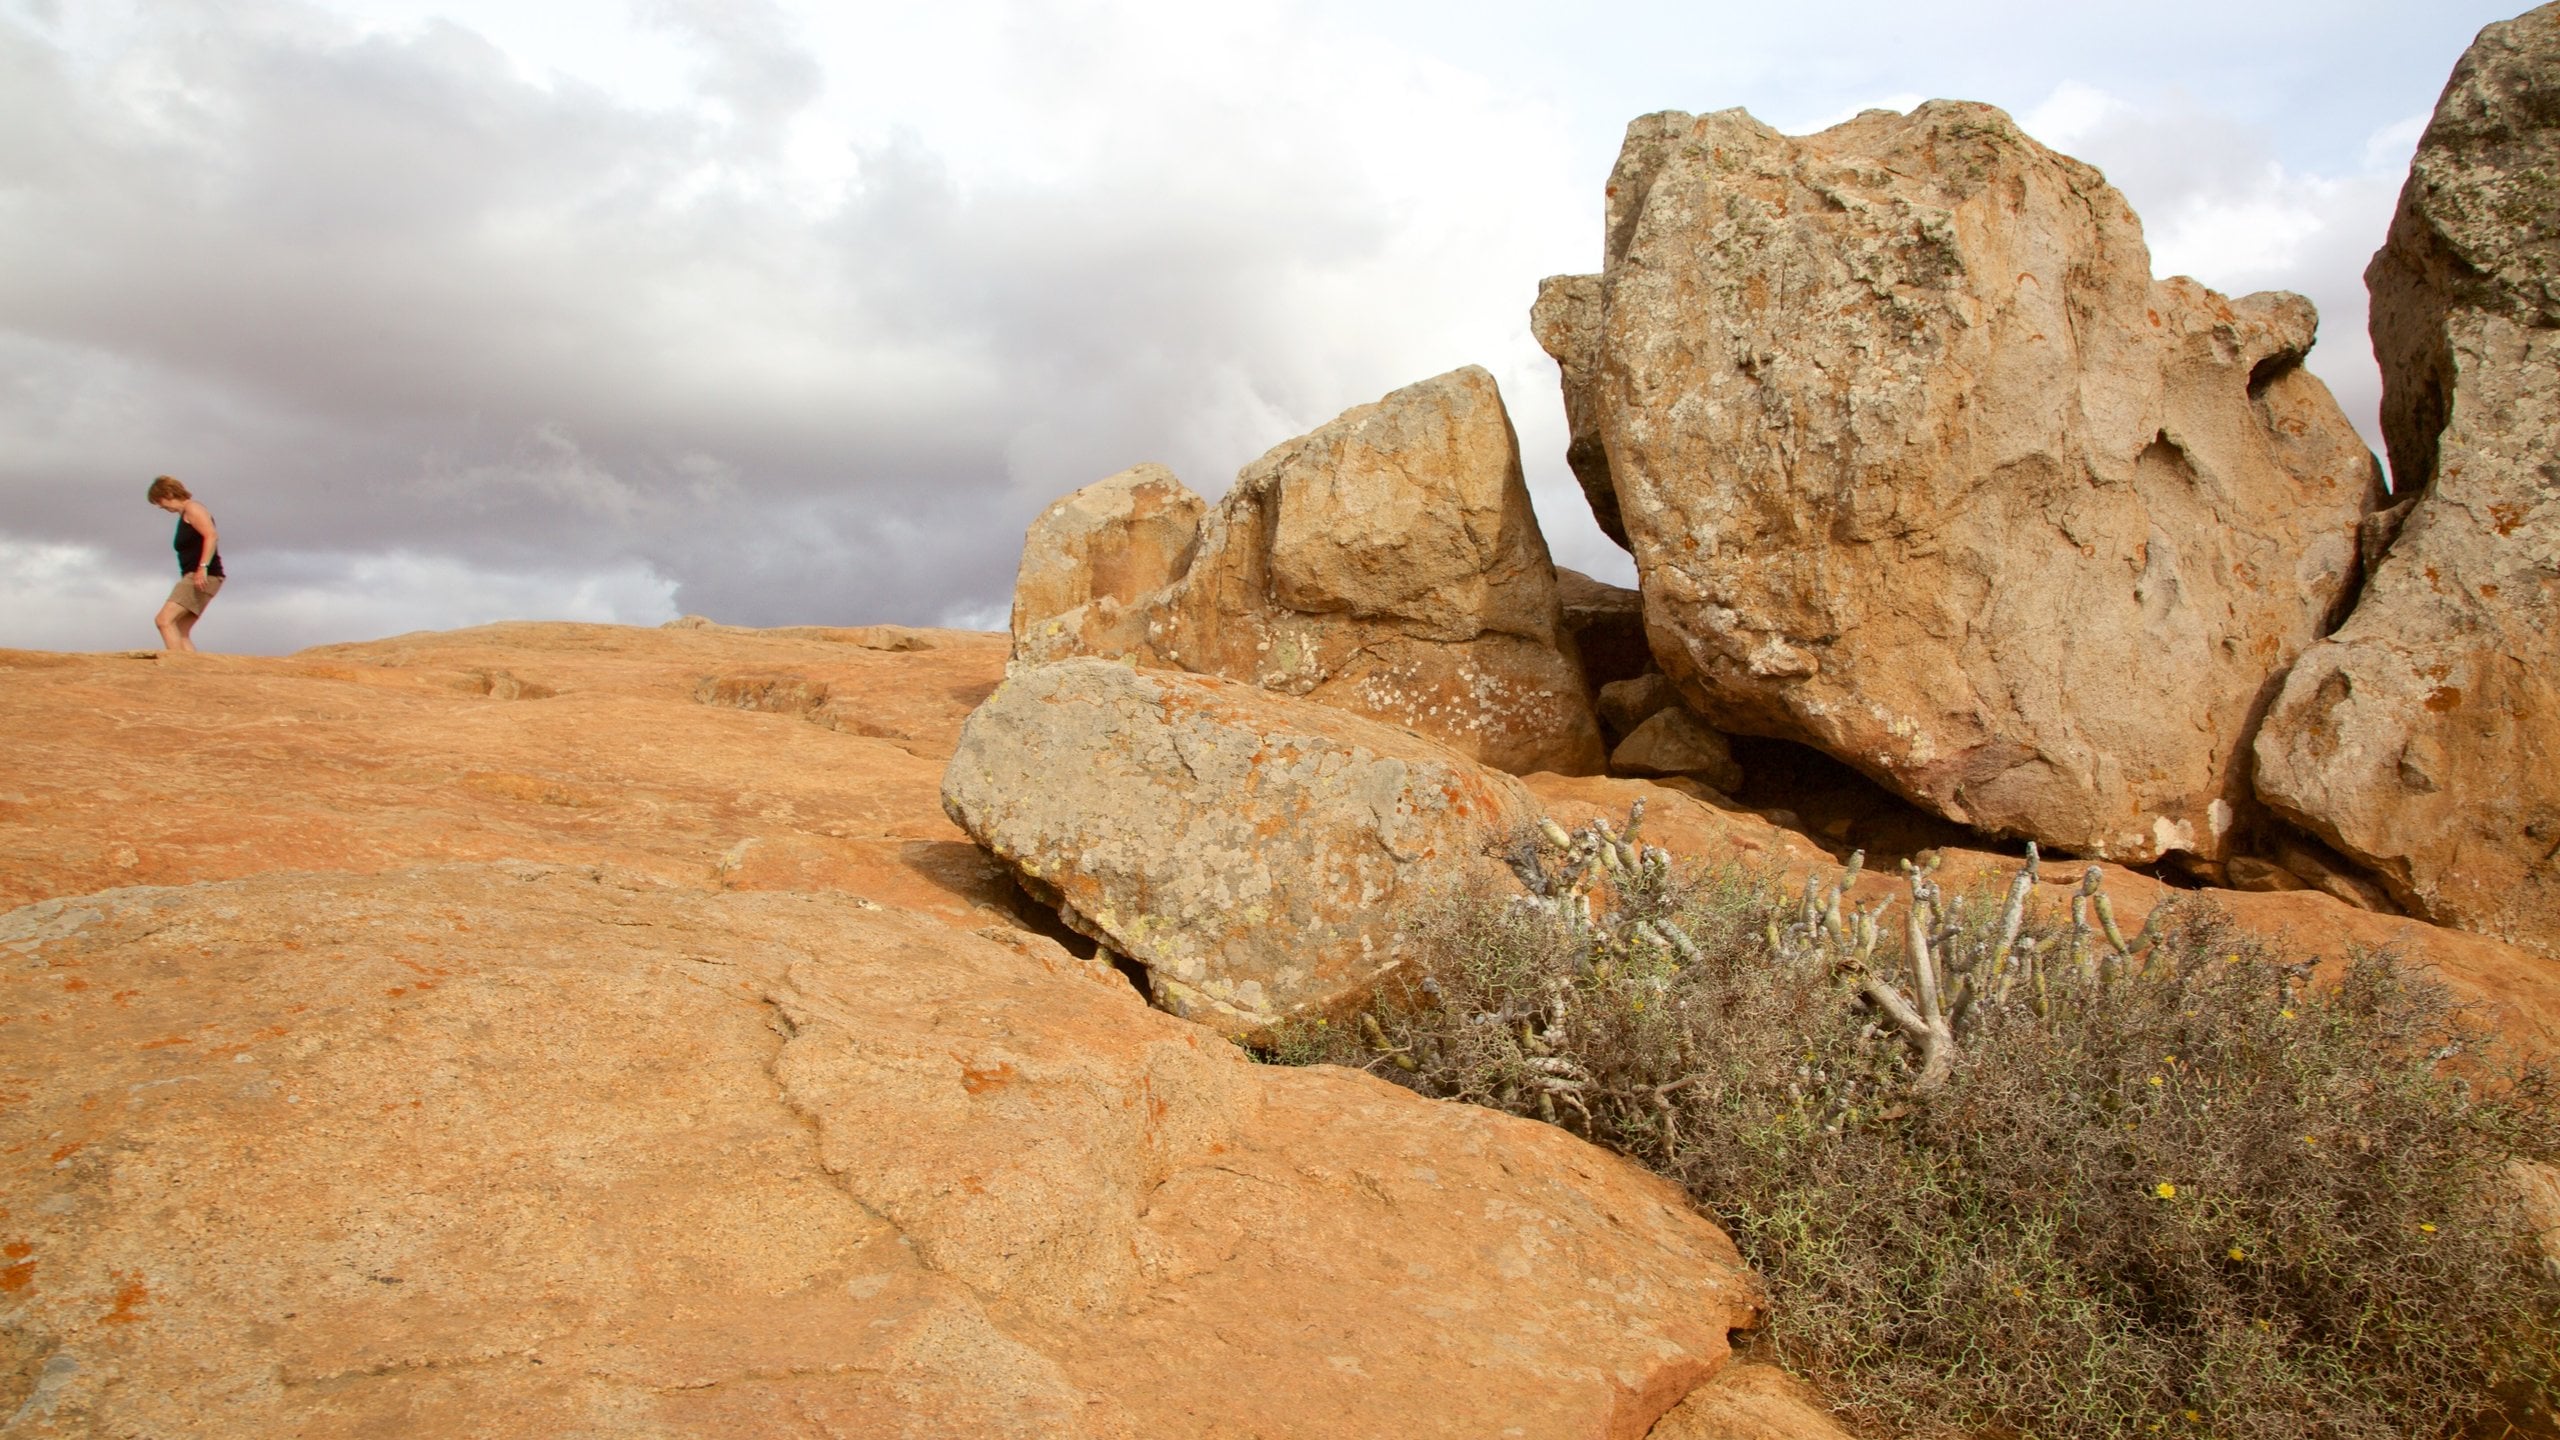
point(2489, 591)
point(18, 1249)
point(978, 1079)
point(131, 1295)
point(2505, 516)
point(122, 997)
point(67, 1151)
point(396, 991)
point(17, 1277)
point(75, 983)
point(2443, 698)
point(166, 1041)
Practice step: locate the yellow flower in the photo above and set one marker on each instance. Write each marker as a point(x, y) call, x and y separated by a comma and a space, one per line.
point(2168, 1059)
point(2193, 1416)
point(2165, 1190)
point(2238, 1254)
point(2156, 1080)
point(2426, 1229)
point(2285, 1014)
point(2310, 1139)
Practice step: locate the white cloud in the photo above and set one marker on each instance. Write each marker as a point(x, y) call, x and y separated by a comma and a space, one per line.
point(78, 597)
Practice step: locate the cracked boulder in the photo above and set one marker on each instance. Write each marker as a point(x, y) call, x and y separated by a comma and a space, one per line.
point(1921, 467)
point(1258, 854)
point(1387, 563)
point(2423, 738)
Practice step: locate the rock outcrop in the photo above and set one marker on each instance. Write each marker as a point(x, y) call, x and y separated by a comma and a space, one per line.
point(2423, 738)
point(1387, 563)
point(1922, 468)
point(739, 1102)
point(1257, 854)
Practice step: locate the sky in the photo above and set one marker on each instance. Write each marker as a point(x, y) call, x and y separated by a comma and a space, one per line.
point(780, 312)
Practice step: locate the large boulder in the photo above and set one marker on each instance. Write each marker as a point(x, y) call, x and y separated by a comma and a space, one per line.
point(1921, 467)
point(1387, 563)
point(1258, 854)
point(2423, 738)
point(1093, 561)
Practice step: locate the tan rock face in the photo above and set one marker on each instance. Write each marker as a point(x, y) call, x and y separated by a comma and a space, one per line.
point(1254, 852)
point(1387, 564)
point(735, 1106)
point(2423, 738)
point(1671, 741)
point(1094, 560)
point(1922, 468)
point(1566, 320)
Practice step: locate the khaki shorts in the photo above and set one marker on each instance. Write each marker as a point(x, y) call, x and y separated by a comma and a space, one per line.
point(192, 600)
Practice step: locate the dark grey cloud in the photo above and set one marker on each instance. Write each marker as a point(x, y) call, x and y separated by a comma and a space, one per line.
point(445, 333)
point(389, 297)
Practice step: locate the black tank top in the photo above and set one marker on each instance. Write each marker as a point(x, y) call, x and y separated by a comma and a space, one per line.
point(190, 543)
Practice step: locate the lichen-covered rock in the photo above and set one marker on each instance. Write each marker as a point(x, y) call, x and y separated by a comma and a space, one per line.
point(2423, 738)
point(1387, 563)
point(1093, 561)
point(1921, 467)
point(1256, 853)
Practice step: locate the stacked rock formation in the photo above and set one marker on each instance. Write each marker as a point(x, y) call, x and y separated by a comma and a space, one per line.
point(1387, 563)
point(1921, 467)
point(2423, 738)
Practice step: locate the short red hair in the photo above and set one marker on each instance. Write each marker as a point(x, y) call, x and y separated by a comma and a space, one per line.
point(166, 487)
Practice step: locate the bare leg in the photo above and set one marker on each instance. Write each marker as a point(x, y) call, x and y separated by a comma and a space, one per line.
point(174, 623)
point(187, 630)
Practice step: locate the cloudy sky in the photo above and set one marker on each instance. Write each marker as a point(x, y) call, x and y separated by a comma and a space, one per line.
point(781, 312)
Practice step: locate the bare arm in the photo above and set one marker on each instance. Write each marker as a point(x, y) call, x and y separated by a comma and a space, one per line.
point(194, 513)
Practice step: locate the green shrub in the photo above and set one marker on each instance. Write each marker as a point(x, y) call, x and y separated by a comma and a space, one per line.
point(2007, 1171)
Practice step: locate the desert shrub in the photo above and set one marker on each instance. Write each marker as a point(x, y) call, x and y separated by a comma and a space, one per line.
point(2008, 1171)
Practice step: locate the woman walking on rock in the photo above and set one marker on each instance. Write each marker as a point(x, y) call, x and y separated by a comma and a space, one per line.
point(199, 564)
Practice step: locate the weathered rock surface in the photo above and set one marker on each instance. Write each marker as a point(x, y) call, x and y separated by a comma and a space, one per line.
point(1626, 704)
point(1387, 563)
point(1750, 1401)
point(1567, 321)
point(1092, 563)
point(1671, 741)
point(1921, 467)
point(503, 1149)
point(1256, 853)
point(2423, 738)
point(734, 1103)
